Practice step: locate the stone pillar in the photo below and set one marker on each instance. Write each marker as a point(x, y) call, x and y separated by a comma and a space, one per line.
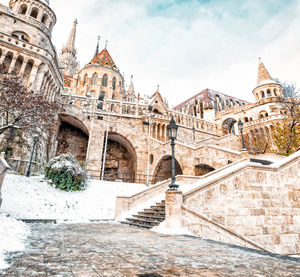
point(3, 170)
point(173, 202)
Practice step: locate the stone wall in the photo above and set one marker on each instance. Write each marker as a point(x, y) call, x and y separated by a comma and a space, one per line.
point(260, 203)
point(72, 140)
point(3, 170)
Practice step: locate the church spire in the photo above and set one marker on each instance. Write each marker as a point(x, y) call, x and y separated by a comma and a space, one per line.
point(263, 73)
point(71, 40)
point(97, 47)
point(68, 56)
point(131, 87)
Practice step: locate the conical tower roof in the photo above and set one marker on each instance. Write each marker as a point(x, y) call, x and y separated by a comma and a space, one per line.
point(71, 41)
point(263, 73)
point(104, 58)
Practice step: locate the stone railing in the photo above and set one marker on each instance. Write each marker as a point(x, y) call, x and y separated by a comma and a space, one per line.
point(4, 167)
point(252, 123)
point(20, 166)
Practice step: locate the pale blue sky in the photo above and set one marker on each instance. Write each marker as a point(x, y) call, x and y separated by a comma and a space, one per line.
point(187, 46)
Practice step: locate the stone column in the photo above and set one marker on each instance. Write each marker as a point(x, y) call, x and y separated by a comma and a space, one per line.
point(174, 200)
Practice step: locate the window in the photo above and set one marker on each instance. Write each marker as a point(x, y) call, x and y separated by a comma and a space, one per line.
point(94, 79)
point(20, 35)
point(114, 83)
point(85, 79)
point(23, 9)
point(268, 92)
point(34, 12)
point(263, 94)
point(104, 80)
point(44, 19)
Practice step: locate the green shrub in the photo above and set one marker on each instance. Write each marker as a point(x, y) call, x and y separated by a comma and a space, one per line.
point(66, 173)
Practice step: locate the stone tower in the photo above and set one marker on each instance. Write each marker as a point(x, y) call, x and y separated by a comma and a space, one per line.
point(68, 56)
point(266, 87)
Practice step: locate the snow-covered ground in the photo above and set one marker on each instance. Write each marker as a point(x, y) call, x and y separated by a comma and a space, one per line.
point(34, 198)
point(13, 234)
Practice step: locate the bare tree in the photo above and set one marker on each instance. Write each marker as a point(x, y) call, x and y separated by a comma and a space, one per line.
point(21, 109)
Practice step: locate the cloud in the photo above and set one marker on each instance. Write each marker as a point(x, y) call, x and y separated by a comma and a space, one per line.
point(187, 46)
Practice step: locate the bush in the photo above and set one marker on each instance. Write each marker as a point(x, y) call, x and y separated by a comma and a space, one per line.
point(66, 174)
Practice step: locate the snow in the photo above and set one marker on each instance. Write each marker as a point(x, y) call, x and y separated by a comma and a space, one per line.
point(34, 198)
point(13, 235)
point(161, 228)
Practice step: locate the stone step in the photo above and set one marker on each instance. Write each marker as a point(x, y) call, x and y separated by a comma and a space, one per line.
point(136, 224)
point(143, 221)
point(158, 207)
point(158, 218)
point(152, 213)
point(154, 210)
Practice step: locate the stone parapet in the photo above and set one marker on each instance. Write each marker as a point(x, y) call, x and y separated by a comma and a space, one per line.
point(3, 170)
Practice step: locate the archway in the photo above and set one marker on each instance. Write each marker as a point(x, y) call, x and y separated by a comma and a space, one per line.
point(228, 126)
point(72, 137)
point(163, 170)
point(202, 169)
point(120, 161)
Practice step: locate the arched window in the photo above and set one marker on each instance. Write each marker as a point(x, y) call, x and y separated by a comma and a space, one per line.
point(268, 92)
point(85, 79)
point(34, 12)
point(275, 92)
point(45, 19)
point(23, 9)
point(114, 83)
point(94, 79)
point(104, 80)
point(20, 35)
point(263, 94)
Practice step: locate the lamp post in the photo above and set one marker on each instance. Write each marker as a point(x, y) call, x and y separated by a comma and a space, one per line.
point(105, 147)
point(240, 126)
point(35, 139)
point(172, 132)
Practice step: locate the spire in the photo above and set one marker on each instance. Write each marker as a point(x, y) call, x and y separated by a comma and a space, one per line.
point(71, 41)
point(131, 87)
point(106, 44)
point(97, 47)
point(263, 73)
point(68, 56)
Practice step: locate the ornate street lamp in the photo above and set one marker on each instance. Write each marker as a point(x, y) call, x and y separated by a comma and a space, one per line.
point(240, 126)
point(172, 132)
point(35, 139)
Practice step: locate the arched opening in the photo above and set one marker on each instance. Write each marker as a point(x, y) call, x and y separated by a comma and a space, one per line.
point(7, 60)
point(72, 138)
point(120, 162)
point(27, 71)
point(45, 19)
point(18, 65)
point(228, 126)
point(269, 93)
point(104, 80)
point(263, 94)
point(23, 9)
point(20, 35)
point(0, 52)
point(202, 169)
point(85, 79)
point(34, 12)
point(163, 170)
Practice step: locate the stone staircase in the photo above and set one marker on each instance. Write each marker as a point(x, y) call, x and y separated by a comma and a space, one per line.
point(148, 218)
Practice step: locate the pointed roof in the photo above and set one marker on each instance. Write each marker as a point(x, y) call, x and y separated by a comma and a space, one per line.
point(263, 73)
point(71, 41)
point(104, 58)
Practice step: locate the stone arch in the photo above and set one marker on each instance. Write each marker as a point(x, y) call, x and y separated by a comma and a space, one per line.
point(163, 169)
point(202, 169)
point(34, 12)
point(8, 59)
point(45, 19)
point(27, 71)
point(23, 9)
point(121, 159)
point(40, 75)
point(18, 65)
point(228, 126)
point(262, 114)
point(72, 137)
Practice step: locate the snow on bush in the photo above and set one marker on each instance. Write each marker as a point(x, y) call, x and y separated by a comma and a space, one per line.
point(13, 234)
point(66, 173)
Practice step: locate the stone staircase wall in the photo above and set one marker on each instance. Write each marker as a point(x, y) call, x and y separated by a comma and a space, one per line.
point(259, 203)
point(3, 170)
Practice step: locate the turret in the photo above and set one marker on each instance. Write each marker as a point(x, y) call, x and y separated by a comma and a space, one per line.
point(266, 87)
point(36, 9)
